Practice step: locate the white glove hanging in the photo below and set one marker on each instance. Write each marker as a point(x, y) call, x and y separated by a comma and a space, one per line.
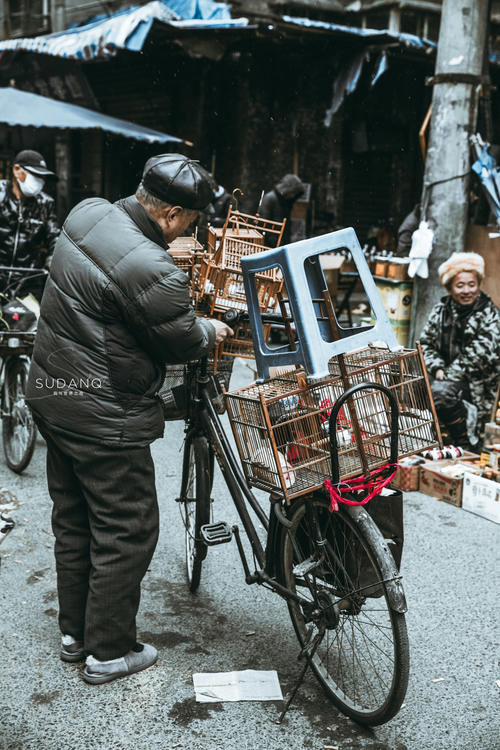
point(421, 246)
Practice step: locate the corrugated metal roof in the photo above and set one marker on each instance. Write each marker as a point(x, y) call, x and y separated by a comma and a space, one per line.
point(104, 36)
point(373, 35)
point(21, 108)
point(128, 29)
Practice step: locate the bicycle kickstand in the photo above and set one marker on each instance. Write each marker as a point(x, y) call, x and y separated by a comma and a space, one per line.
point(308, 651)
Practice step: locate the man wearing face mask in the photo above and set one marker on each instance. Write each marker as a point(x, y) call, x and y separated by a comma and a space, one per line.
point(28, 225)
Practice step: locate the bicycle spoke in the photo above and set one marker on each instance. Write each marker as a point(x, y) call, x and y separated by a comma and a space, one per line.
point(359, 660)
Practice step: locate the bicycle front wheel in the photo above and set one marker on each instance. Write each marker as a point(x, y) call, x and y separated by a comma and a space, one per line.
point(361, 657)
point(18, 427)
point(195, 500)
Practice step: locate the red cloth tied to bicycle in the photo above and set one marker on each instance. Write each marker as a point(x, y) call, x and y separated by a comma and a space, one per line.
point(375, 484)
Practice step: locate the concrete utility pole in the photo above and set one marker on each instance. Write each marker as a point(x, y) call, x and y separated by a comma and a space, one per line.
point(459, 69)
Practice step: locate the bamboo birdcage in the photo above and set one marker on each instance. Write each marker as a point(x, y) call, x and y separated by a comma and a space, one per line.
point(241, 344)
point(219, 283)
point(186, 253)
point(281, 426)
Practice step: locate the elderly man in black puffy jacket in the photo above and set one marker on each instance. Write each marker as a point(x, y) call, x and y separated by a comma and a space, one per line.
point(115, 310)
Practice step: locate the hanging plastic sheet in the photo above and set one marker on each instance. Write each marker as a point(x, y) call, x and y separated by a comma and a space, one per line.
point(348, 79)
point(486, 168)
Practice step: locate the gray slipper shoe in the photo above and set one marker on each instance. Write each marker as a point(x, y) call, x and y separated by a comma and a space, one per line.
point(140, 657)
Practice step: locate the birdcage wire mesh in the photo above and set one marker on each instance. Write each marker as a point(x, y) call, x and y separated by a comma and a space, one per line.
point(281, 427)
point(186, 253)
point(218, 281)
point(241, 344)
point(219, 289)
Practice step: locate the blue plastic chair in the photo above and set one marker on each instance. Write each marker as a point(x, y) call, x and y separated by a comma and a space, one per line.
point(317, 339)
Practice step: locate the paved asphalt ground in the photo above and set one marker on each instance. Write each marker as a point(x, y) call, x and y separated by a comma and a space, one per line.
point(449, 567)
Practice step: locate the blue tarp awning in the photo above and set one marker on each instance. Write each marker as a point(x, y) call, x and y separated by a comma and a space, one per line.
point(370, 35)
point(23, 109)
point(127, 29)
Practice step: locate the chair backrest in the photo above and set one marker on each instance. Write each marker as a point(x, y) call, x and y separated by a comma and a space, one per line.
point(319, 336)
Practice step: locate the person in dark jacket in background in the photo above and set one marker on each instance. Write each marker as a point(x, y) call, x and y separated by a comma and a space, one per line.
point(115, 310)
point(217, 211)
point(406, 229)
point(277, 204)
point(461, 348)
point(28, 225)
point(412, 221)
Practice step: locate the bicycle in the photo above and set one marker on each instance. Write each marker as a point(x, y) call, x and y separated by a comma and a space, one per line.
point(334, 569)
point(16, 346)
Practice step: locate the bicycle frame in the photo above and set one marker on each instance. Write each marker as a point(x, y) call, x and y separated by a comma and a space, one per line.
point(16, 347)
point(203, 419)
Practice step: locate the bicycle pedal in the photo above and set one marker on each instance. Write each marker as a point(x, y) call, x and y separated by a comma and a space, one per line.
point(216, 533)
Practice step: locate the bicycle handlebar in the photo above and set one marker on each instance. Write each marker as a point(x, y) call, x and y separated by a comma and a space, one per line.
point(233, 317)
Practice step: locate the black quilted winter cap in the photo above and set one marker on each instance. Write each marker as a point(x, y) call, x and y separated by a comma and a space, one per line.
point(178, 180)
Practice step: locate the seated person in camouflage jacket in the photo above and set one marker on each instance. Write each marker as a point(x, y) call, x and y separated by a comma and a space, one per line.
point(28, 225)
point(461, 348)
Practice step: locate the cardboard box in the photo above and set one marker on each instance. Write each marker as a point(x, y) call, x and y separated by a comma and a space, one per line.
point(380, 267)
point(407, 478)
point(437, 483)
point(493, 457)
point(397, 268)
point(492, 433)
point(482, 497)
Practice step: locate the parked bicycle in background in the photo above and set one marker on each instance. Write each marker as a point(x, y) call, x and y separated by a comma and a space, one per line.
point(18, 322)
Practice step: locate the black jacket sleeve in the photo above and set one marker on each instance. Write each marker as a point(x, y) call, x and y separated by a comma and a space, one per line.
point(52, 229)
point(164, 322)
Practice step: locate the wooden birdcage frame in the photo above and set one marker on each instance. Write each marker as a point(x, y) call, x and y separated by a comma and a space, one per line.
point(241, 344)
point(224, 290)
point(219, 279)
point(186, 253)
point(238, 224)
point(281, 426)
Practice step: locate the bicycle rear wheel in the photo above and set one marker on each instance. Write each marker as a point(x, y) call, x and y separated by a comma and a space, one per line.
point(362, 658)
point(18, 427)
point(196, 487)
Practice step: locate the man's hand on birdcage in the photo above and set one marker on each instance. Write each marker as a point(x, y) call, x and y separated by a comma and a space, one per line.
point(222, 331)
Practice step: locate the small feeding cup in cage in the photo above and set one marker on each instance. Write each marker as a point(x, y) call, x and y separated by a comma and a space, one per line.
point(263, 466)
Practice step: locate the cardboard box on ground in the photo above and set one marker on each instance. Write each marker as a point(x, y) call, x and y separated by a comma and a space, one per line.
point(407, 478)
point(444, 479)
point(491, 446)
point(436, 478)
point(481, 497)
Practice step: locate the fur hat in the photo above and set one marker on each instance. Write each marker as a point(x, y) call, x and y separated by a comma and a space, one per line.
point(461, 262)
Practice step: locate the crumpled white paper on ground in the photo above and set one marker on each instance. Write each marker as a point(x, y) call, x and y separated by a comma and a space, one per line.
point(247, 685)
